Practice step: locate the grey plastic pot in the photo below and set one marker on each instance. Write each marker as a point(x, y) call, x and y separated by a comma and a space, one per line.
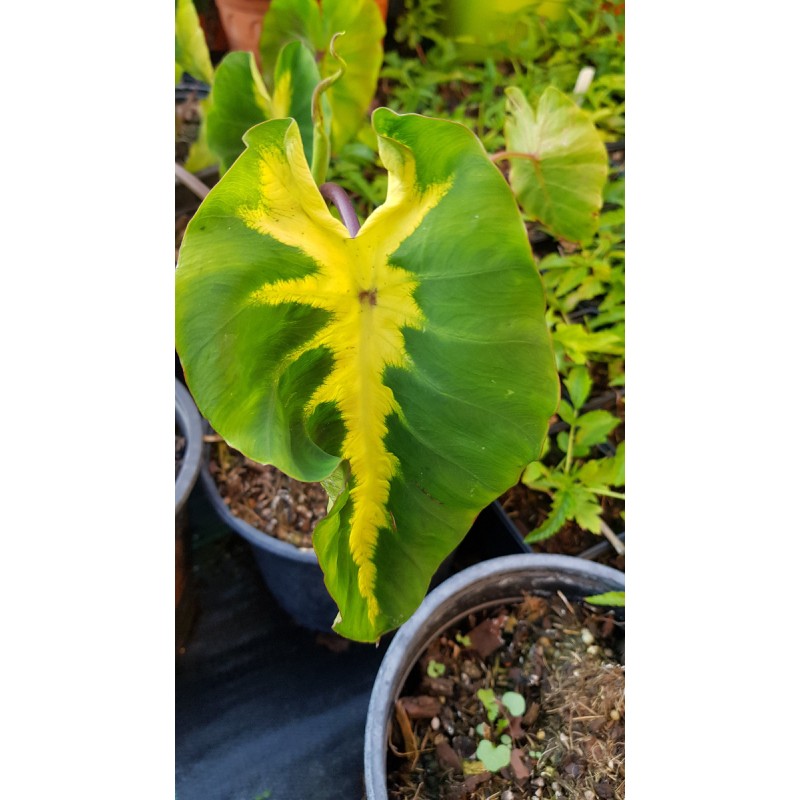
point(187, 418)
point(493, 582)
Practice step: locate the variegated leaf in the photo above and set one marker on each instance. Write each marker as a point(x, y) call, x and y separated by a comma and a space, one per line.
point(414, 357)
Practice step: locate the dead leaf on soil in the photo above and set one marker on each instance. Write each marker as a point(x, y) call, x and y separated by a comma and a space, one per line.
point(485, 637)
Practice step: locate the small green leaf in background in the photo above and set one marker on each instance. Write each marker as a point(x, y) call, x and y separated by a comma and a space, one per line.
point(607, 599)
point(604, 472)
point(579, 385)
point(534, 473)
point(191, 49)
point(567, 412)
point(588, 511)
point(593, 428)
point(561, 510)
point(570, 501)
point(361, 47)
point(578, 344)
point(493, 757)
point(564, 165)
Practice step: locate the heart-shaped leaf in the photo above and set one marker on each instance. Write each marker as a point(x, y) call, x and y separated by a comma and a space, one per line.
point(493, 757)
point(514, 703)
point(314, 23)
point(560, 163)
point(414, 357)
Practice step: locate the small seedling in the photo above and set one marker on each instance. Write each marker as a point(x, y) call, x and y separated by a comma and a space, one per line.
point(464, 641)
point(495, 757)
point(514, 703)
point(607, 599)
point(489, 700)
point(435, 669)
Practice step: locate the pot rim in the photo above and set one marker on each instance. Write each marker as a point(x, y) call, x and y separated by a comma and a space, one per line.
point(253, 535)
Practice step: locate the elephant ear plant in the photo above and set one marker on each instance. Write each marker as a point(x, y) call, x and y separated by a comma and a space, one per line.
point(405, 364)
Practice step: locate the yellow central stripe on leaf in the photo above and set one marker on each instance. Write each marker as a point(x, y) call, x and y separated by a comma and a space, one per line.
point(282, 95)
point(370, 301)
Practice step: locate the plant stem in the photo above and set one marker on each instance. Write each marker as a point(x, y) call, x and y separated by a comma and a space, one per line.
point(570, 440)
point(339, 197)
point(495, 157)
point(191, 182)
point(321, 158)
point(612, 538)
point(606, 492)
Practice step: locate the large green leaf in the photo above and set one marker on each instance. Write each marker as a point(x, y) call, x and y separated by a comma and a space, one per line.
point(361, 47)
point(239, 99)
point(191, 50)
point(560, 163)
point(414, 356)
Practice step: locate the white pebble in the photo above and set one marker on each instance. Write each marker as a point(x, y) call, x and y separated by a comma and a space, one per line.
point(586, 635)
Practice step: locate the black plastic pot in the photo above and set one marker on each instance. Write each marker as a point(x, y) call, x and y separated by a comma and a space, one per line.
point(293, 575)
point(493, 582)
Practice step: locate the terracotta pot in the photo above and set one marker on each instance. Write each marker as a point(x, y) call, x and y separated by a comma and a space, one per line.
point(241, 20)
